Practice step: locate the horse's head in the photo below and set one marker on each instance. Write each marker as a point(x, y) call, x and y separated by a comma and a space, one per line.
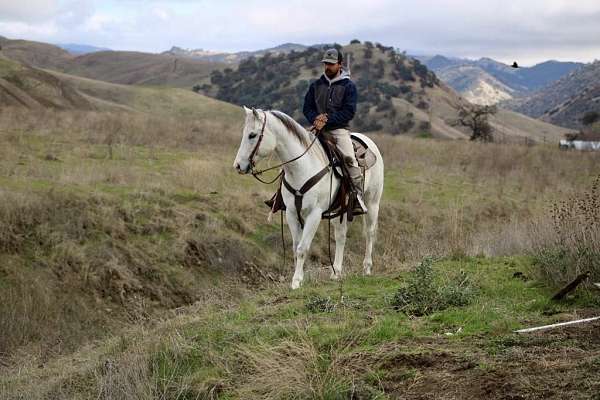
point(257, 141)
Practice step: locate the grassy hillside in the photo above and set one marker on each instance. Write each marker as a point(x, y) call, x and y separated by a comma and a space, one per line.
point(32, 88)
point(167, 102)
point(26, 87)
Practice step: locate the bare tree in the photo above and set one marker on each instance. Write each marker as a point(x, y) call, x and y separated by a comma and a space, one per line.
point(475, 117)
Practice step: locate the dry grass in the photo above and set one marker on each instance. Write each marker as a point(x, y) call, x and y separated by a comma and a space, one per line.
point(139, 214)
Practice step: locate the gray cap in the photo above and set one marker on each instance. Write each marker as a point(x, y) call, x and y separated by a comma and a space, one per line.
point(331, 56)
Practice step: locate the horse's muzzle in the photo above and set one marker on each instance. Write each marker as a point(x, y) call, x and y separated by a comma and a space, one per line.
point(240, 170)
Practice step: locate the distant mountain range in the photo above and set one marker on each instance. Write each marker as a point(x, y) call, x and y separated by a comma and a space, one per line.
point(232, 58)
point(565, 101)
point(78, 49)
point(486, 81)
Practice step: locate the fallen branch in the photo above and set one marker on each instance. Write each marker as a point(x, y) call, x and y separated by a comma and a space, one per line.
point(571, 286)
point(545, 327)
point(597, 285)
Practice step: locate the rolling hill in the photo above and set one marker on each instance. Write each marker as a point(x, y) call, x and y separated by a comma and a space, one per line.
point(25, 87)
point(397, 94)
point(136, 68)
point(36, 54)
point(126, 67)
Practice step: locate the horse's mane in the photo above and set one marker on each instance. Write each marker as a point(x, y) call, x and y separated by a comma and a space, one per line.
point(292, 126)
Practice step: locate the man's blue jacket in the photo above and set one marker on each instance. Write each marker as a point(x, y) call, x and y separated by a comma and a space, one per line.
point(336, 98)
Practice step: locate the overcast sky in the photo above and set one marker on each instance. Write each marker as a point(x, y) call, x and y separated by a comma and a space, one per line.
point(527, 31)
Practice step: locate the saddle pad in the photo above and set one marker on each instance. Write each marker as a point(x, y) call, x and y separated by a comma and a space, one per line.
point(365, 156)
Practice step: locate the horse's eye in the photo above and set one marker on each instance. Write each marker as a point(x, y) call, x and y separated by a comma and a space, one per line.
point(252, 135)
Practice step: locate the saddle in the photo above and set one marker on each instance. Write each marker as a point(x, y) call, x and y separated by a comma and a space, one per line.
point(340, 204)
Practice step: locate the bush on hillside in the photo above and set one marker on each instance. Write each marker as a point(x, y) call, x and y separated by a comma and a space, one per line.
point(384, 105)
point(590, 118)
point(379, 70)
point(403, 72)
point(402, 125)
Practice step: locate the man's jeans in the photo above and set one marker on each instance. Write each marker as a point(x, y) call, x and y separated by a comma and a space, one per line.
point(344, 145)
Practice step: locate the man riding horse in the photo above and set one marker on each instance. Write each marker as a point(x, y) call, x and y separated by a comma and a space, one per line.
point(330, 105)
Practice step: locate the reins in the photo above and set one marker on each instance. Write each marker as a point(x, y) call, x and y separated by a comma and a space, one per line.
point(255, 150)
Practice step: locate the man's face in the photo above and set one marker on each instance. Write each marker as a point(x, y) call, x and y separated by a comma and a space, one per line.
point(331, 70)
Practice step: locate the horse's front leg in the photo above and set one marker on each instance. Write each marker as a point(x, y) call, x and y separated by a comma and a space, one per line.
point(341, 230)
point(311, 224)
point(295, 229)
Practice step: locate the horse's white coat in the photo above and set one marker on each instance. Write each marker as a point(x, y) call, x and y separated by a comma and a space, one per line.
point(279, 140)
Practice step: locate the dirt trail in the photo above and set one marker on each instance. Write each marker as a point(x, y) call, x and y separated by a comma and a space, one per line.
point(562, 364)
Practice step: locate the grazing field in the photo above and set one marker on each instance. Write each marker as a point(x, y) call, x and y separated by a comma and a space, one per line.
point(135, 263)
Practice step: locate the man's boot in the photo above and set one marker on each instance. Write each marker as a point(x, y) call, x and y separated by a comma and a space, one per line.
point(359, 203)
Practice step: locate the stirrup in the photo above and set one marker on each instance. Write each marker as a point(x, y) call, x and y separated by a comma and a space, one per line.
point(359, 205)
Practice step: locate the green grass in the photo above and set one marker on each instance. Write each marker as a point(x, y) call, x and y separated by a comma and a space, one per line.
point(364, 322)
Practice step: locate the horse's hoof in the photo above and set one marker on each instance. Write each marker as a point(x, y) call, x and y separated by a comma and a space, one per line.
point(335, 277)
point(296, 284)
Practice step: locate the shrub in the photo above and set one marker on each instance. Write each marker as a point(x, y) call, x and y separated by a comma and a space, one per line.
point(385, 104)
point(425, 126)
point(424, 293)
point(573, 244)
point(590, 117)
point(423, 105)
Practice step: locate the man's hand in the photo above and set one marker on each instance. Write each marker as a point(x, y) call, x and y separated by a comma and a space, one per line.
point(320, 122)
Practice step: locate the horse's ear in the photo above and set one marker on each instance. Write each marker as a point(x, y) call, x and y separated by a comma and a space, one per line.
point(247, 110)
point(255, 112)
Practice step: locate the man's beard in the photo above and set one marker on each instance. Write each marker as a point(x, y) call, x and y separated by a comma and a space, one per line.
point(331, 74)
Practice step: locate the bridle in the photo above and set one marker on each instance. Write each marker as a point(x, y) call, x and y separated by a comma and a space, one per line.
point(254, 172)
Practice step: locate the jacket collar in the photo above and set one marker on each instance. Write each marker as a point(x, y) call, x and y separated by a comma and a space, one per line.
point(343, 75)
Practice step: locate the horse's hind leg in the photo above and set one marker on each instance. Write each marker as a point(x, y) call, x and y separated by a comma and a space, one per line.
point(311, 224)
point(370, 232)
point(340, 230)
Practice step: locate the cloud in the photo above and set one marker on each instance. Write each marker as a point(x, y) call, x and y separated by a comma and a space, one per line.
point(30, 11)
point(498, 28)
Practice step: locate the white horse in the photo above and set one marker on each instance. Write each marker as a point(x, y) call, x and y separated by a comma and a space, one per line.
point(266, 132)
